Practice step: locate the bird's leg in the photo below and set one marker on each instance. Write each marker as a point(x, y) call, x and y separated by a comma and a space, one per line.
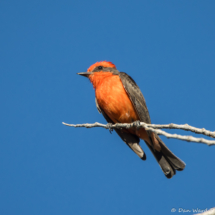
point(137, 124)
point(109, 127)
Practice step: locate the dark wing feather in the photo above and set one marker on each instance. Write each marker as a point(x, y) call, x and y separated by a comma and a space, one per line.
point(166, 159)
point(136, 97)
point(131, 140)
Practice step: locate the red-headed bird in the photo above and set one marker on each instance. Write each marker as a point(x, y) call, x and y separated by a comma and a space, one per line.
point(120, 100)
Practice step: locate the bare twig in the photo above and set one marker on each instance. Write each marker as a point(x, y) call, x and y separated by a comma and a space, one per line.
point(185, 127)
point(209, 212)
point(154, 128)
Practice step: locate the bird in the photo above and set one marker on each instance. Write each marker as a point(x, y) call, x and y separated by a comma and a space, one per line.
point(119, 99)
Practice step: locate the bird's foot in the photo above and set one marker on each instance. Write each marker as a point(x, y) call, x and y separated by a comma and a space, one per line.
point(137, 124)
point(109, 127)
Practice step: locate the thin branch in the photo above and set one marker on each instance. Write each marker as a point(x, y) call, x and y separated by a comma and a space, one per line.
point(209, 212)
point(185, 127)
point(154, 128)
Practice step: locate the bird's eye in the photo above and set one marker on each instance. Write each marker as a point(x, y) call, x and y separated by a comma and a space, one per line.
point(100, 67)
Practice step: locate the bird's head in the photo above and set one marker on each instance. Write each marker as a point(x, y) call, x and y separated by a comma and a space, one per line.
point(103, 66)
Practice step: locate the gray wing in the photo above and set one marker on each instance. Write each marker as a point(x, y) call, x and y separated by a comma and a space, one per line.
point(136, 97)
point(166, 159)
point(131, 140)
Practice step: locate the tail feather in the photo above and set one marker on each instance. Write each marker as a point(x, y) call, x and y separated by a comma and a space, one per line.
point(164, 164)
point(168, 162)
point(176, 162)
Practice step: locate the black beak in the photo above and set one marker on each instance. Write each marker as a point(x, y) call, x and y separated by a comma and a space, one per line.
point(85, 74)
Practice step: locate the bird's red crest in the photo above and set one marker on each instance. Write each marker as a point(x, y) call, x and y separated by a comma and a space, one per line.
point(101, 63)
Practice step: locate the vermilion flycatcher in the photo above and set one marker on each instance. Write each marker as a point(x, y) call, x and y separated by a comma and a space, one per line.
point(120, 100)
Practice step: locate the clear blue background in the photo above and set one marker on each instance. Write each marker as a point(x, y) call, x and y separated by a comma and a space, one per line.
point(168, 47)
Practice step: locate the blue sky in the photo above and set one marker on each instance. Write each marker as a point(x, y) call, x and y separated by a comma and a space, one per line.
point(168, 48)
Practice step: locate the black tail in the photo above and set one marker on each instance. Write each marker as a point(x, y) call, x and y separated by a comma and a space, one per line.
point(168, 162)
